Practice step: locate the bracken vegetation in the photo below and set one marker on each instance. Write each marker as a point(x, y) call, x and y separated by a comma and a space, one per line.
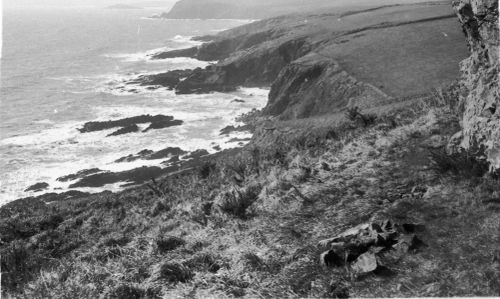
point(248, 224)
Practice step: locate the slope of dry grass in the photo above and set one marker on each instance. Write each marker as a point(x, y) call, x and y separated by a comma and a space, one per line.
point(249, 225)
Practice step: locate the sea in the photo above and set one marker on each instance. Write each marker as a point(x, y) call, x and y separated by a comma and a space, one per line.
point(62, 67)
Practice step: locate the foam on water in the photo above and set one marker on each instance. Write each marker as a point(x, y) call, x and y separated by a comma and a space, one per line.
point(54, 88)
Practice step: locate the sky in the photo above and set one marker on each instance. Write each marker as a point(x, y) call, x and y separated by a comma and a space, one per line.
point(79, 3)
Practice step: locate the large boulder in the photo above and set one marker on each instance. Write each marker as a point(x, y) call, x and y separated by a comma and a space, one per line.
point(479, 83)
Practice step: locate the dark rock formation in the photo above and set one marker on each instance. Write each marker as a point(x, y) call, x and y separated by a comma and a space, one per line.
point(197, 154)
point(313, 77)
point(37, 187)
point(125, 130)
point(137, 175)
point(157, 121)
point(229, 129)
point(481, 97)
point(362, 245)
point(151, 155)
point(78, 175)
point(169, 79)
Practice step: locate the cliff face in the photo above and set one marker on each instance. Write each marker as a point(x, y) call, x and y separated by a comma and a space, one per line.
point(481, 92)
point(320, 63)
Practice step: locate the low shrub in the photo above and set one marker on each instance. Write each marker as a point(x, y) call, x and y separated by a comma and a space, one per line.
point(169, 243)
point(175, 272)
point(237, 202)
point(463, 163)
point(354, 114)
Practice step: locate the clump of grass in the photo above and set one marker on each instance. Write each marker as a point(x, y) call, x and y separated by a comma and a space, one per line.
point(125, 291)
point(169, 243)
point(204, 262)
point(237, 202)
point(354, 114)
point(159, 189)
point(206, 169)
point(175, 272)
point(463, 163)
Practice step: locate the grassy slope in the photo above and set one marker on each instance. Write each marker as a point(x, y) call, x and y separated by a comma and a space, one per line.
point(308, 182)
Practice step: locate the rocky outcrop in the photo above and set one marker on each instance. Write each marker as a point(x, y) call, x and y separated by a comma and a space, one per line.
point(257, 67)
point(321, 80)
point(37, 187)
point(479, 83)
point(127, 124)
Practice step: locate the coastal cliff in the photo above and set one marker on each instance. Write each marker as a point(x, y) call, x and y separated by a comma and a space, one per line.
point(481, 91)
point(346, 189)
point(317, 64)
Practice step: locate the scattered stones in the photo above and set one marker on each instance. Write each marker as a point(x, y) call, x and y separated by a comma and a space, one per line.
point(37, 187)
point(361, 246)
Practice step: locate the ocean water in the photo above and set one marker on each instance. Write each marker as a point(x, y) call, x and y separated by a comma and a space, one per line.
point(63, 67)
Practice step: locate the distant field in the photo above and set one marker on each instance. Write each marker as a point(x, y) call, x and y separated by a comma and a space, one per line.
point(403, 60)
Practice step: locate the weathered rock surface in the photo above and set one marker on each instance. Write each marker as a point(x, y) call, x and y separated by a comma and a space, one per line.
point(362, 246)
point(37, 187)
point(125, 130)
point(157, 121)
point(152, 155)
point(78, 175)
point(481, 91)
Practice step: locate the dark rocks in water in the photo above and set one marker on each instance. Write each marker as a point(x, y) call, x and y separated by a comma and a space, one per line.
point(162, 120)
point(137, 175)
point(125, 130)
point(168, 79)
point(37, 187)
point(207, 80)
point(151, 155)
point(78, 175)
point(197, 154)
point(217, 148)
point(229, 129)
point(165, 153)
point(237, 101)
point(189, 52)
point(163, 124)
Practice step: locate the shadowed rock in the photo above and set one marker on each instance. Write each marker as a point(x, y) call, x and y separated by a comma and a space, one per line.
point(128, 129)
point(157, 121)
point(37, 187)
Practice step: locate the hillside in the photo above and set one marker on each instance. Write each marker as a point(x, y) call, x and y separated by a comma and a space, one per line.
point(353, 185)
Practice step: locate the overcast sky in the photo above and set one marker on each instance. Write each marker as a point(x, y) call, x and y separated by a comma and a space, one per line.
point(76, 3)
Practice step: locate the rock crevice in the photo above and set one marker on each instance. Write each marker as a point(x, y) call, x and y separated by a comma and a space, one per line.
point(480, 92)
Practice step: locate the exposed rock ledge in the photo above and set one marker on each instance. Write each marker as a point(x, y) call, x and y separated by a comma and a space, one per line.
point(481, 96)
